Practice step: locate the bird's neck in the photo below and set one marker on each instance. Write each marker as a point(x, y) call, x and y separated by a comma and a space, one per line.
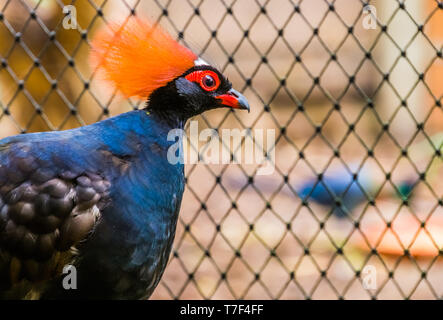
point(168, 107)
point(166, 118)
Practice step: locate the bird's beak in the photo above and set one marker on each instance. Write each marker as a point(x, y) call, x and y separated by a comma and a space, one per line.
point(234, 99)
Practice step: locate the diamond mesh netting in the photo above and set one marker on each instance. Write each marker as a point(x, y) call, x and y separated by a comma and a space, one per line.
point(354, 96)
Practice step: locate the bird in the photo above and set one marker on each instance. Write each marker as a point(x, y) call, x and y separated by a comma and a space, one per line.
point(103, 199)
point(339, 195)
point(338, 189)
point(342, 190)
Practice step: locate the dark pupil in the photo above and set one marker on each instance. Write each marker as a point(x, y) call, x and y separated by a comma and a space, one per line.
point(208, 81)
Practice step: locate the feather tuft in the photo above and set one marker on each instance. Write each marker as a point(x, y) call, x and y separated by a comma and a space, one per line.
point(138, 57)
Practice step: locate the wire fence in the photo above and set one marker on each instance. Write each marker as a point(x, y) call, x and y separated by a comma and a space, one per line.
point(353, 90)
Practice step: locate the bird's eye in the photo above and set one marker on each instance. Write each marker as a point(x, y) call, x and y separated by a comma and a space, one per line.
point(208, 81)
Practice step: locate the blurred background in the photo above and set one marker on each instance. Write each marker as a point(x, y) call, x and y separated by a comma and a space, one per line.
point(354, 208)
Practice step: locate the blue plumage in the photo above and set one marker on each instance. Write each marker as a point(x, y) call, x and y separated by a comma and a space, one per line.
point(103, 198)
point(340, 190)
point(138, 218)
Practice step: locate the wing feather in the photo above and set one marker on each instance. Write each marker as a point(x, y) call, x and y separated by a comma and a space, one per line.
point(45, 213)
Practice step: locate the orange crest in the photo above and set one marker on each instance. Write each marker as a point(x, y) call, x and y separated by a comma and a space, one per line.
point(138, 57)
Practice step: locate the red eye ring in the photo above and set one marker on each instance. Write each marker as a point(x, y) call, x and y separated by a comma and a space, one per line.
point(201, 77)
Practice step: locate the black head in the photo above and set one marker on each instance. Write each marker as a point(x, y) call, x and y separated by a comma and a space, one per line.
point(199, 89)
